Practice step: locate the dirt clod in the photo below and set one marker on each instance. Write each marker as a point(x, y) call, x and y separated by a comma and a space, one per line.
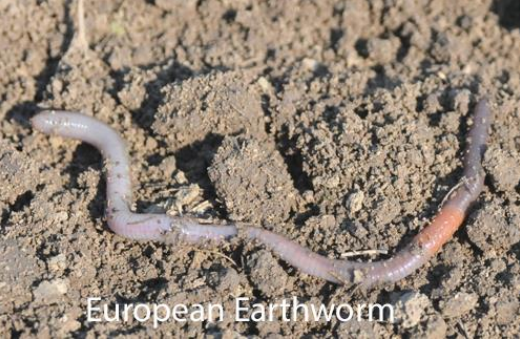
point(503, 167)
point(458, 305)
point(266, 274)
point(51, 292)
point(410, 308)
point(252, 180)
point(502, 223)
point(219, 103)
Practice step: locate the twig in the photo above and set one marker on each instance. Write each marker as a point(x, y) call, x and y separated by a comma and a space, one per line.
point(217, 253)
point(364, 252)
point(82, 38)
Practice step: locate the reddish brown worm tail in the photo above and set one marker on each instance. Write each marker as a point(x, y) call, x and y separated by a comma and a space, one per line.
point(165, 228)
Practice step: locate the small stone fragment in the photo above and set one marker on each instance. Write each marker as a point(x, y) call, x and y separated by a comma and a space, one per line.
point(458, 305)
point(51, 292)
point(57, 263)
point(354, 201)
point(410, 307)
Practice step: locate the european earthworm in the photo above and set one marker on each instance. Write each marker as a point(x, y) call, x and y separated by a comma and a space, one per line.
point(166, 228)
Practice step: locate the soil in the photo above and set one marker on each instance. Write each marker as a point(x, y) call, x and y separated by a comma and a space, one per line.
point(338, 124)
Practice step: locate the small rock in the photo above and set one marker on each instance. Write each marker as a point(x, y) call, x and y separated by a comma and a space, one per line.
point(61, 216)
point(327, 222)
point(264, 84)
point(57, 263)
point(169, 165)
point(308, 196)
point(70, 326)
point(180, 178)
point(382, 51)
point(506, 310)
point(151, 144)
point(432, 104)
point(310, 64)
point(458, 305)
point(460, 100)
point(410, 307)
point(50, 292)
point(354, 201)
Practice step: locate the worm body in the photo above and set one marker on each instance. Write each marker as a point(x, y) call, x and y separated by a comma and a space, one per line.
point(120, 218)
point(170, 229)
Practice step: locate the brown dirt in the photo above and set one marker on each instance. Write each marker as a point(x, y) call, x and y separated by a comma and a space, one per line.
point(338, 124)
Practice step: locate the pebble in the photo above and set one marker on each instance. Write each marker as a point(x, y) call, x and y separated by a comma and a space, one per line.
point(409, 308)
point(51, 292)
point(458, 305)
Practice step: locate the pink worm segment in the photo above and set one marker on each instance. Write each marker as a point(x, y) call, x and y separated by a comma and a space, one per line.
point(119, 189)
point(165, 228)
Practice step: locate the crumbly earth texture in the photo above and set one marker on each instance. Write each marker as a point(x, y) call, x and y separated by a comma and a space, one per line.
point(339, 124)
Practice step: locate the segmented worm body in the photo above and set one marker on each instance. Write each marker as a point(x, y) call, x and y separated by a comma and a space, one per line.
point(169, 229)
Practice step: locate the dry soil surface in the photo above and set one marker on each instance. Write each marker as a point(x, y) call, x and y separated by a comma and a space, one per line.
point(339, 124)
